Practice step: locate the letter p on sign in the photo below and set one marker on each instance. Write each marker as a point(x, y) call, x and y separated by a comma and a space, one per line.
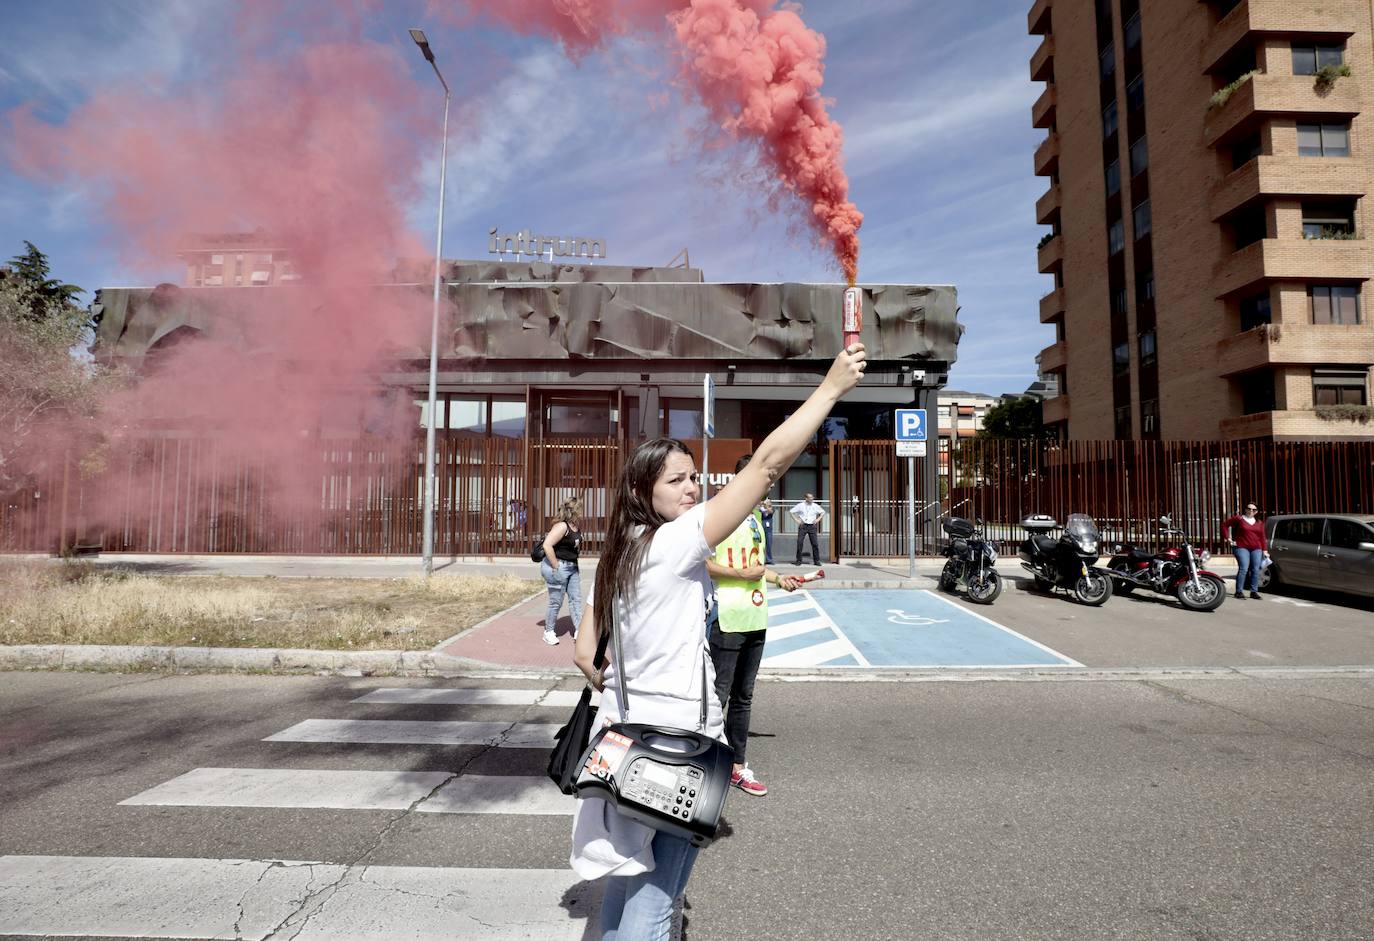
point(911, 424)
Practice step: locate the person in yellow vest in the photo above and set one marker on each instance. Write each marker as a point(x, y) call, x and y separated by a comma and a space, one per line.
point(738, 631)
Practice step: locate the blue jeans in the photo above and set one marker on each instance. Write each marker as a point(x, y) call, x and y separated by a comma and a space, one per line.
point(640, 908)
point(1249, 562)
point(564, 580)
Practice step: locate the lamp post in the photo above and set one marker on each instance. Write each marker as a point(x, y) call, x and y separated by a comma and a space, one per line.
point(420, 40)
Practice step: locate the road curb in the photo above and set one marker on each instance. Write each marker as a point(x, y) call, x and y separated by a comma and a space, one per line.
point(237, 659)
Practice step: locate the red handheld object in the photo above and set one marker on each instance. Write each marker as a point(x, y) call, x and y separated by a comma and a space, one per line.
point(810, 576)
point(853, 316)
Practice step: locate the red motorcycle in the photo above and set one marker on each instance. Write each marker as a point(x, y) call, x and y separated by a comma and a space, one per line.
point(1175, 570)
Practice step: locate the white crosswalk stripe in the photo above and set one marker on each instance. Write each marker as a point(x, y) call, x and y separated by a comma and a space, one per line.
point(254, 900)
point(828, 645)
point(162, 897)
point(409, 732)
point(440, 791)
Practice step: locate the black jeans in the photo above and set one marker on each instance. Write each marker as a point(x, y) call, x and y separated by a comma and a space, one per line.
point(808, 531)
point(736, 658)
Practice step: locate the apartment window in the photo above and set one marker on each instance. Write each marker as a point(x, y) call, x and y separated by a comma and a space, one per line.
point(1131, 31)
point(1109, 120)
point(1123, 421)
point(1135, 93)
point(1250, 226)
point(262, 259)
point(1113, 178)
point(1145, 286)
point(1257, 392)
point(1335, 303)
point(1118, 301)
point(1255, 311)
point(1340, 386)
point(216, 259)
point(1327, 220)
point(260, 277)
point(1140, 156)
point(1106, 62)
point(1140, 219)
point(944, 411)
point(1121, 359)
point(1146, 342)
point(1324, 140)
point(1245, 150)
point(1116, 239)
point(1149, 416)
point(1309, 60)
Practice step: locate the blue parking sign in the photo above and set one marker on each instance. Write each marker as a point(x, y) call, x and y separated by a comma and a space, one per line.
point(911, 424)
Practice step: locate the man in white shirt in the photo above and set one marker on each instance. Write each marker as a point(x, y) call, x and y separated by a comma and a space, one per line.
point(808, 515)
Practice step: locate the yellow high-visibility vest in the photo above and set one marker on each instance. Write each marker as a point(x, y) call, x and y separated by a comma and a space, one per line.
point(742, 603)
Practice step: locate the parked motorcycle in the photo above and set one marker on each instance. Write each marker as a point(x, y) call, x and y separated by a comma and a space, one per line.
point(971, 561)
point(1174, 570)
point(1065, 561)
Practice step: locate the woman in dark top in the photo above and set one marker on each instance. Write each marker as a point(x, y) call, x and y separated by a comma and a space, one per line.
point(559, 568)
point(1246, 532)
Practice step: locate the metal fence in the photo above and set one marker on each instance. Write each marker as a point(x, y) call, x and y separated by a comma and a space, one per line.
point(495, 495)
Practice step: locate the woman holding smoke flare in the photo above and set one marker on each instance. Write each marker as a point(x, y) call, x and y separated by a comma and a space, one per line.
point(654, 567)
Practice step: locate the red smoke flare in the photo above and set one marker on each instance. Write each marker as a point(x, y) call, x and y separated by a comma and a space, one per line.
point(758, 70)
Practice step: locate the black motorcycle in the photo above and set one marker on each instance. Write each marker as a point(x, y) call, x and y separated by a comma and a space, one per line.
point(1066, 561)
point(971, 561)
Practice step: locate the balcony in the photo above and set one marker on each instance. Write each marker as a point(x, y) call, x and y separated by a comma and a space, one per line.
point(1291, 260)
point(1038, 20)
point(1271, 95)
point(1055, 410)
point(1054, 357)
point(1285, 176)
point(1334, 18)
point(1291, 426)
point(1052, 306)
point(1051, 255)
point(1047, 155)
point(1295, 344)
point(1042, 61)
point(1043, 111)
point(1047, 206)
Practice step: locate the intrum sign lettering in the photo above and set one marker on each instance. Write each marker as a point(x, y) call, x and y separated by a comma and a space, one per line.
point(526, 243)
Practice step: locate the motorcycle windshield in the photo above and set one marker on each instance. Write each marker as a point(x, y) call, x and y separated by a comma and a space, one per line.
point(1083, 531)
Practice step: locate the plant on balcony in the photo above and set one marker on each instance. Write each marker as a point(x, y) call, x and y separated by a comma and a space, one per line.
point(1327, 75)
point(1359, 413)
point(1334, 234)
point(1044, 240)
point(1223, 94)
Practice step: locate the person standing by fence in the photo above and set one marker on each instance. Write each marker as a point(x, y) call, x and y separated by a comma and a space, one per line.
point(808, 515)
point(766, 514)
point(559, 568)
point(1246, 532)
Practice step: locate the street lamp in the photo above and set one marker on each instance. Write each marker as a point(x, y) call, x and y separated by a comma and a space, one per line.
point(419, 36)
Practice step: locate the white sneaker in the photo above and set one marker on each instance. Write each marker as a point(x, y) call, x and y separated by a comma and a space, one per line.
point(551, 638)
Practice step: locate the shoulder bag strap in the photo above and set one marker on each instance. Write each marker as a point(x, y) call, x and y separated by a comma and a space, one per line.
point(623, 683)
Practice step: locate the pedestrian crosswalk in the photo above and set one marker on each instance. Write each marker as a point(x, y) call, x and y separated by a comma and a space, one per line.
point(801, 634)
point(273, 899)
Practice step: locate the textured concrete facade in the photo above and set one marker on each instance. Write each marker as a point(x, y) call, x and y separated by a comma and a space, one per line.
point(1228, 310)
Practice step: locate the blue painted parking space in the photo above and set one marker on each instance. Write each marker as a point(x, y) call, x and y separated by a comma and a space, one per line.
point(898, 628)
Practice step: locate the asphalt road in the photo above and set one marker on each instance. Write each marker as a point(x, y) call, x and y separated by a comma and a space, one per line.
point(1236, 807)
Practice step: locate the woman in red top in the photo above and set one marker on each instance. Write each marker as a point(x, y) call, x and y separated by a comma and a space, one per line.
point(1246, 533)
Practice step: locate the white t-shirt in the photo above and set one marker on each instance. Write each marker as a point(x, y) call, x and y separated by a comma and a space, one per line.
point(807, 512)
point(665, 648)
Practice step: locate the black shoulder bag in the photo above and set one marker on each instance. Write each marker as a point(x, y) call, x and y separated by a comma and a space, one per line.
point(565, 761)
point(673, 780)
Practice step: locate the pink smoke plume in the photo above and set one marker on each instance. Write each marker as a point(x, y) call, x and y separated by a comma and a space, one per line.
point(757, 68)
point(315, 147)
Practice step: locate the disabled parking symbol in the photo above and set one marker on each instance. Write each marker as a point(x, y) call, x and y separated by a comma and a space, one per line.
point(898, 616)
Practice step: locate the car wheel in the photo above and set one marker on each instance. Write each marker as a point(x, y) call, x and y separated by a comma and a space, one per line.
point(1269, 577)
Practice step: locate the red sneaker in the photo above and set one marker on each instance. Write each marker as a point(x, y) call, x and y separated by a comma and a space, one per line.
point(744, 780)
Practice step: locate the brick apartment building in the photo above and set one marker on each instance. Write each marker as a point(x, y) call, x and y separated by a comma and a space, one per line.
point(1208, 162)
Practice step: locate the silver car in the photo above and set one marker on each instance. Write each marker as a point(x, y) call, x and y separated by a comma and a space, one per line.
point(1331, 551)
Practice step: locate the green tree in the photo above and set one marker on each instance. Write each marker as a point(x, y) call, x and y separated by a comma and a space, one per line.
point(44, 385)
point(1014, 418)
point(32, 269)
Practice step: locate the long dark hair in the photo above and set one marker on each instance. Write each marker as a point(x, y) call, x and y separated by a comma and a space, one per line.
point(617, 571)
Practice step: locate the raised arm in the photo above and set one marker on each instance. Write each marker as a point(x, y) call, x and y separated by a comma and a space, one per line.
point(728, 508)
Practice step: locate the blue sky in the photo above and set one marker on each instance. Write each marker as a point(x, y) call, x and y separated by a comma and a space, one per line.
point(934, 99)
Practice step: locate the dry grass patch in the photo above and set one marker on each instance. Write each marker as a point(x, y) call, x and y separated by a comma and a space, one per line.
point(77, 603)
